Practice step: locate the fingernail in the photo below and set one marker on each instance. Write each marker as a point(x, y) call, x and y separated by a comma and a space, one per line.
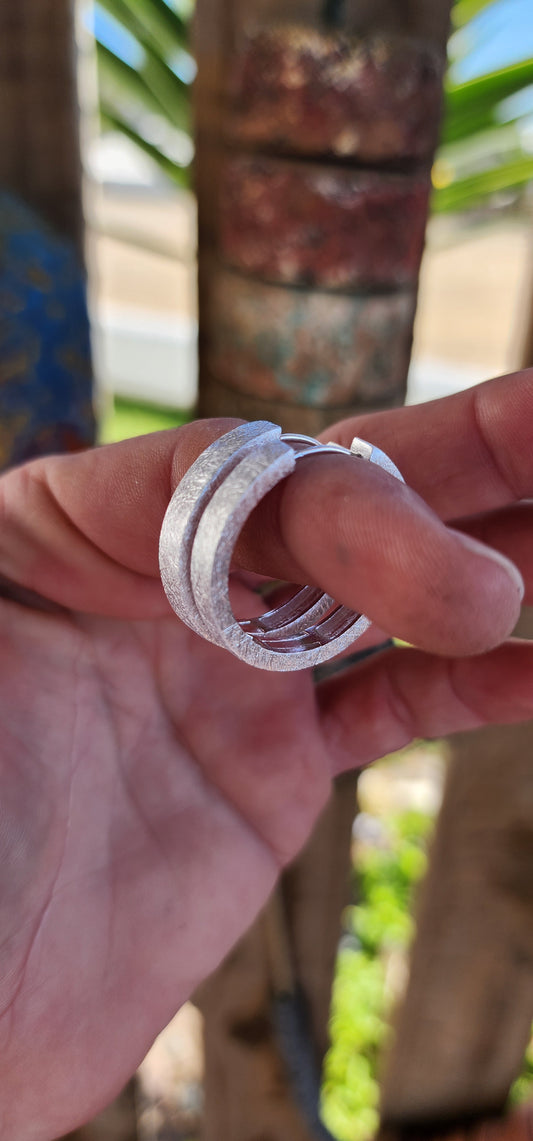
point(485, 552)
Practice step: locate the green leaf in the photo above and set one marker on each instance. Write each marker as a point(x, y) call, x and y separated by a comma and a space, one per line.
point(474, 102)
point(481, 151)
point(125, 80)
point(161, 15)
point(178, 174)
point(464, 11)
point(465, 124)
point(172, 93)
point(158, 24)
point(154, 86)
point(465, 192)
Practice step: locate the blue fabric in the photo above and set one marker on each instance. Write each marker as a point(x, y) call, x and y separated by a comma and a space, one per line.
point(45, 359)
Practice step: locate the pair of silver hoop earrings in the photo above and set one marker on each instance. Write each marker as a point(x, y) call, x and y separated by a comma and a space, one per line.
point(201, 526)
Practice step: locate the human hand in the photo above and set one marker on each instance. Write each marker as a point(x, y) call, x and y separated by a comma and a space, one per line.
point(152, 786)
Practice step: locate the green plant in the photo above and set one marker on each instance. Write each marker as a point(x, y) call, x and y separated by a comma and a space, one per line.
point(483, 149)
point(484, 145)
point(369, 974)
point(379, 931)
point(522, 1088)
point(147, 98)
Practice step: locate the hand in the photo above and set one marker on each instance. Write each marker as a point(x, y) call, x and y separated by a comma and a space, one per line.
point(151, 786)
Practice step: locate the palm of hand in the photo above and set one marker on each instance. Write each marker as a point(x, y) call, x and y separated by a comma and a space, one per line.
point(127, 834)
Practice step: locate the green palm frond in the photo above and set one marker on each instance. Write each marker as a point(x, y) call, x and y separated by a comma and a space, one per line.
point(479, 154)
point(119, 81)
point(152, 98)
point(464, 11)
point(463, 193)
point(472, 106)
point(151, 21)
point(177, 173)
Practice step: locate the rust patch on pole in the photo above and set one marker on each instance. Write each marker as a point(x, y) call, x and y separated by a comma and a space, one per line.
point(309, 347)
point(306, 224)
point(300, 90)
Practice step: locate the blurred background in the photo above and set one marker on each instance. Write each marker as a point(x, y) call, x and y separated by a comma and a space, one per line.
point(475, 281)
point(473, 321)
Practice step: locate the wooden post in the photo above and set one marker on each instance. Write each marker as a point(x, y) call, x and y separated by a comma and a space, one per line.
point(316, 124)
point(463, 1028)
point(466, 1020)
point(117, 1123)
point(45, 373)
point(39, 129)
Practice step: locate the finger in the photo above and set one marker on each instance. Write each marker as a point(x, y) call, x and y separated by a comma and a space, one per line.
point(83, 530)
point(464, 454)
point(375, 546)
point(511, 532)
point(404, 694)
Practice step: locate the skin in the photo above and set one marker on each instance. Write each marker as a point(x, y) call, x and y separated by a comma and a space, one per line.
point(152, 787)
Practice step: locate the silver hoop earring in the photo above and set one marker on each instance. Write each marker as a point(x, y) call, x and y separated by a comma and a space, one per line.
point(201, 526)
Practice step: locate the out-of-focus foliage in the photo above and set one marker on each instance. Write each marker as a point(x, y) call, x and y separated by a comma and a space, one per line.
point(388, 864)
point(390, 857)
point(487, 135)
point(523, 1086)
point(146, 70)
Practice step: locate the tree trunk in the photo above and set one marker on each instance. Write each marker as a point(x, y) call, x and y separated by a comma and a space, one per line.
point(45, 369)
point(117, 1123)
point(39, 118)
point(464, 1026)
point(316, 125)
point(466, 1020)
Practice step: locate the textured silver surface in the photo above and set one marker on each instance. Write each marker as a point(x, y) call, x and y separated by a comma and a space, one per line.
point(361, 448)
point(383, 460)
point(218, 530)
point(198, 537)
point(185, 510)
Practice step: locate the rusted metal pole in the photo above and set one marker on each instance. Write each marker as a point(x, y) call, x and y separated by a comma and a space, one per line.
point(315, 138)
point(316, 125)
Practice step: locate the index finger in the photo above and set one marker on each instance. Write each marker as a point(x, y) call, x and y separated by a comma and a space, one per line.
point(464, 454)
